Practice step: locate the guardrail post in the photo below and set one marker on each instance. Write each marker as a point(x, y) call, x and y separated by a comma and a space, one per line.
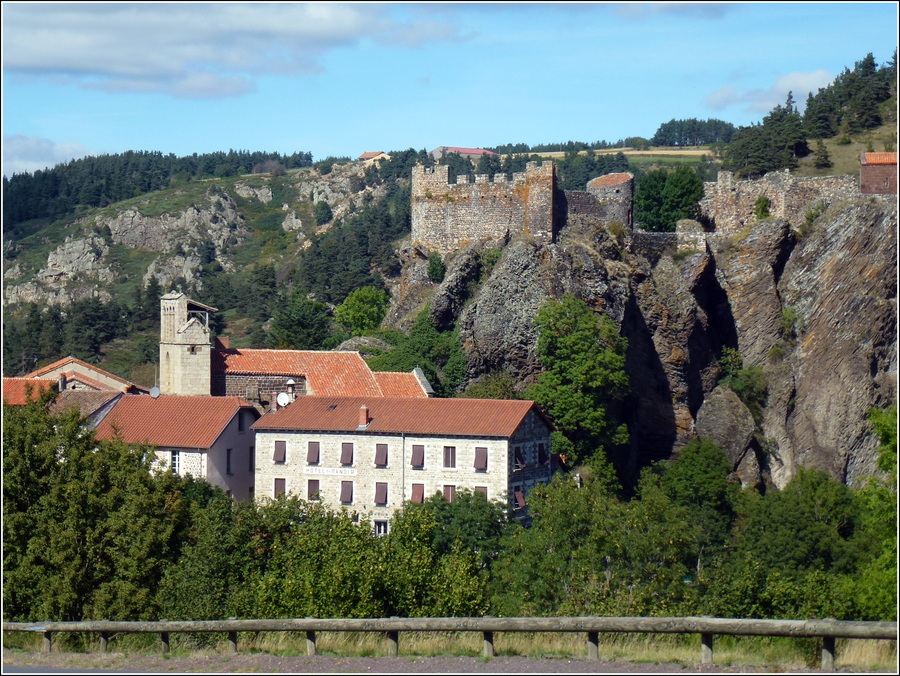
point(593, 645)
point(827, 662)
point(706, 648)
point(104, 641)
point(393, 638)
point(487, 649)
point(48, 641)
point(311, 643)
point(164, 637)
point(232, 642)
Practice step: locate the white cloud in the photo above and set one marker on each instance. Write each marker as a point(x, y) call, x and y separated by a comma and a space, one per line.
point(761, 101)
point(192, 49)
point(29, 153)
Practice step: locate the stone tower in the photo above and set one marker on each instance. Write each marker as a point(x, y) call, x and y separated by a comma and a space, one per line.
point(185, 349)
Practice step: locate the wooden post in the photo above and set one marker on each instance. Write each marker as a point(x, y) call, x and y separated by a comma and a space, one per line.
point(164, 637)
point(827, 663)
point(393, 638)
point(232, 642)
point(593, 644)
point(104, 641)
point(48, 641)
point(311, 643)
point(706, 648)
point(488, 644)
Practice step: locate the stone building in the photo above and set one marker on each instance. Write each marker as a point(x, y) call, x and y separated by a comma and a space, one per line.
point(74, 374)
point(878, 173)
point(185, 345)
point(371, 454)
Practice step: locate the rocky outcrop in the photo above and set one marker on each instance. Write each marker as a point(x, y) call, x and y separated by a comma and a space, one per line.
point(725, 420)
point(261, 193)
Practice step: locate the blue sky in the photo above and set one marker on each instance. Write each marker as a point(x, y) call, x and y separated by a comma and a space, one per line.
point(345, 78)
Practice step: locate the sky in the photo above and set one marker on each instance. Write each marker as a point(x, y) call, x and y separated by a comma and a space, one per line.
point(341, 79)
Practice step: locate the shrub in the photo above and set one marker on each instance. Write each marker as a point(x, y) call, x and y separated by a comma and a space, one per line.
point(761, 207)
point(436, 267)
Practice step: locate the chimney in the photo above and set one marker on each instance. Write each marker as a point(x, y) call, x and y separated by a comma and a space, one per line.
point(61, 383)
point(363, 415)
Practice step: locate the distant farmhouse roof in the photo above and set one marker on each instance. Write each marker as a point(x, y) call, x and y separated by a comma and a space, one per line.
point(440, 151)
point(878, 158)
point(181, 421)
point(87, 375)
point(444, 417)
point(375, 154)
point(16, 390)
point(609, 180)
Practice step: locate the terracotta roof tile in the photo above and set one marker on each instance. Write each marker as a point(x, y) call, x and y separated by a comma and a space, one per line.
point(15, 390)
point(879, 158)
point(171, 420)
point(445, 417)
point(399, 384)
point(341, 374)
point(72, 361)
point(370, 155)
point(609, 180)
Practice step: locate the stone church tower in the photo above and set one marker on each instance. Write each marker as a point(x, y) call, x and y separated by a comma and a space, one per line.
point(185, 348)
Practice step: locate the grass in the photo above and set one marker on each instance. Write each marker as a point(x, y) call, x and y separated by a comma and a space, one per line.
point(845, 158)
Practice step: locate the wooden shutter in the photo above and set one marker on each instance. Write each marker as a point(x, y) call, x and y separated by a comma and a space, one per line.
point(280, 451)
point(481, 454)
point(418, 493)
point(520, 496)
point(347, 454)
point(346, 491)
point(279, 487)
point(449, 456)
point(381, 454)
point(449, 493)
point(418, 456)
point(519, 458)
point(381, 490)
point(312, 454)
point(312, 489)
point(482, 490)
point(542, 455)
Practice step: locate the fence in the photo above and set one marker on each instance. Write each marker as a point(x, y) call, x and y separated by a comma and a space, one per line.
point(828, 630)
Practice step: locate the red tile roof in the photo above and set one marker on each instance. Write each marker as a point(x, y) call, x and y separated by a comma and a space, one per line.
point(58, 366)
point(171, 420)
point(340, 374)
point(399, 384)
point(879, 158)
point(15, 390)
point(370, 155)
point(443, 417)
point(609, 180)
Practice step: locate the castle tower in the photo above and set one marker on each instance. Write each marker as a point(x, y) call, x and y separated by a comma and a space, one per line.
point(185, 350)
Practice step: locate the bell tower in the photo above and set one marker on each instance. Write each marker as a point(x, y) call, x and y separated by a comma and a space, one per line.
point(185, 348)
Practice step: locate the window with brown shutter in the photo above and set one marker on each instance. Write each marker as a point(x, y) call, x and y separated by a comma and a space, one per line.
point(482, 490)
point(381, 489)
point(280, 487)
point(418, 456)
point(480, 457)
point(280, 451)
point(346, 491)
point(381, 455)
point(418, 493)
point(449, 456)
point(312, 489)
point(519, 496)
point(312, 453)
point(347, 454)
point(519, 458)
point(449, 493)
point(543, 459)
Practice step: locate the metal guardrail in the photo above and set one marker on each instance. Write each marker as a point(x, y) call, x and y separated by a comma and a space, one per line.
point(828, 630)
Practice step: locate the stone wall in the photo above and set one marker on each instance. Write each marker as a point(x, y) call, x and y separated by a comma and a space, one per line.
point(878, 179)
point(448, 216)
point(727, 205)
point(256, 388)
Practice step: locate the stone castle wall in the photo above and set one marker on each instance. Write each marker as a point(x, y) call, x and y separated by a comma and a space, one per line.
point(447, 216)
point(727, 205)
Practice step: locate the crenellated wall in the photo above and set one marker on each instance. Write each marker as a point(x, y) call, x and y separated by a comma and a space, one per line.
point(727, 205)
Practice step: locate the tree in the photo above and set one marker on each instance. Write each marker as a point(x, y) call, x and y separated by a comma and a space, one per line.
point(682, 194)
point(362, 311)
point(822, 159)
point(583, 357)
point(436, 267)
point(300, 324)
point(323, 213)
point(649, 202)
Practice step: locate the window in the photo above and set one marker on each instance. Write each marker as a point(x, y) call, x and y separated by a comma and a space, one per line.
point(519, 458)
point(228, 461)
point(543, 458)
point(381, 490)
point(381, 455)
point(252, 461)
point(175, 463)
point(347, 454)
point(280, 451)
point(418, 457)
point(482, 490)
point(381, 528)
point(518, 496)
point(280, 487)
point(449, 456)
point(312, 489)
point(418, 493)
point(346, 491)
point(449, 493)
point(480, 457)
point(312, 453)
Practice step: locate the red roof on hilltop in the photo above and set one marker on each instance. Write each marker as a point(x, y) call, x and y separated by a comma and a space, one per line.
point(467, 151)
point(446, 417)
point(190, 421)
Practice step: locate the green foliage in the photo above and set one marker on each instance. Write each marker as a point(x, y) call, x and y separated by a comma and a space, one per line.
point(323, 213)
point(583, 357)
point(496, 385)
point(436, 267)
point(692, 132)
point(822, 160)
point(761, 207)
point(774, 144)
point(749, 383)
point(362, 311)
point(884, 423)
point(662, 198)
point(299, 324)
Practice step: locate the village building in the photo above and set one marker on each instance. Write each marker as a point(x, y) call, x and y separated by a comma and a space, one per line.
point(202, 436)
point(878, 173)
point(373, 156)
point(19, 391)
point(372, 454)
point(75, 374)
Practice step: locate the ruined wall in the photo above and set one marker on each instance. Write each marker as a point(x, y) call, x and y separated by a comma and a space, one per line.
point(448, 216)
point(727, 205)
point(878, 179)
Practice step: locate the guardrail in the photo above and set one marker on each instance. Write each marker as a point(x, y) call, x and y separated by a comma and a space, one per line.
point(828, 630)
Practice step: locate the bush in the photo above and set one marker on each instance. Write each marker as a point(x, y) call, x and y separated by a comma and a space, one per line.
point(761, 207)
point(436, 267)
